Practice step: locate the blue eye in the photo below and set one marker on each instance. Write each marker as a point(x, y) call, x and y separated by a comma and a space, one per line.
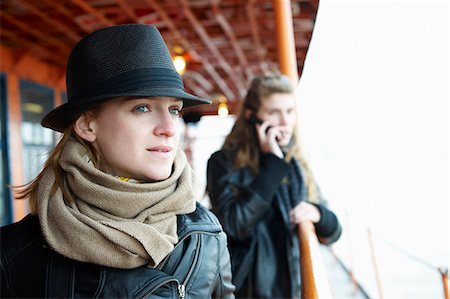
point(175, 111)
point(142, 109)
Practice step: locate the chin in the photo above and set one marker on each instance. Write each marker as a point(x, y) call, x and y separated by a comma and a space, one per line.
point(284, 143)
point(159, 176)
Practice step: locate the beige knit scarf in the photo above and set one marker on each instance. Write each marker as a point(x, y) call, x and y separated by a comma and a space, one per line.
point(112, 222)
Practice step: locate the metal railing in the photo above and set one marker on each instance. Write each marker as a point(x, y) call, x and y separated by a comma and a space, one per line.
point(313, 276)
point(314, 279)
point(443, 271)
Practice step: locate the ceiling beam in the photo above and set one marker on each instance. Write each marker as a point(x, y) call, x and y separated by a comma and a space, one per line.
point(36, 33)
point(199, 91)
point(47, 19)
point(89, 9)
point(128, 10)
point(64, 11)
point(251, 14)
point(225, 25)
point(60, 8)
point(206, 85)
point(200, 30)
point(38, 49)
point(188, 47)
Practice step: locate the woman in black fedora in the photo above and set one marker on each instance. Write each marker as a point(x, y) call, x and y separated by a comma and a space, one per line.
point(113, 212)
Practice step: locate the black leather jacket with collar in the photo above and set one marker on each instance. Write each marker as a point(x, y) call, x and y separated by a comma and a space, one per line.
point(264, 245)
point(198, 267)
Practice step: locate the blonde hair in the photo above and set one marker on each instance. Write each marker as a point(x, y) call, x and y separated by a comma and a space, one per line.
point(30, 189)
point(243, 141)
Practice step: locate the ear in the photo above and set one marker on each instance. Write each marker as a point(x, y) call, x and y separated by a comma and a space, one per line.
point(83, 127)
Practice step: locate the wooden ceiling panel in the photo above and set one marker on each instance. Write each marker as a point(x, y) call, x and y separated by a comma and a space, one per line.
point(226, 42)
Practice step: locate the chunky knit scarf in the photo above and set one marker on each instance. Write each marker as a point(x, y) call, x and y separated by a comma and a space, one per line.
point(113, 222)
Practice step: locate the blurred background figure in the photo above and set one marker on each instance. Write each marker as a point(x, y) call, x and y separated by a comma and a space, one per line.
point(261, 188)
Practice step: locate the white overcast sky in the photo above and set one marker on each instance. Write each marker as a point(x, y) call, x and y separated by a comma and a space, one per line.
point(374, 100)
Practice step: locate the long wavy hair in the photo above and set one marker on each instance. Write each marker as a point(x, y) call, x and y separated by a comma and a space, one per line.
point(243, 141)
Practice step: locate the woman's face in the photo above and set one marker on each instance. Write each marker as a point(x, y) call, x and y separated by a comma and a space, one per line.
point(279, 110)
point(137, 138)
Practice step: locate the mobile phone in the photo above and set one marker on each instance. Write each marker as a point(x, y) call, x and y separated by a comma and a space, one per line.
point(253, 119)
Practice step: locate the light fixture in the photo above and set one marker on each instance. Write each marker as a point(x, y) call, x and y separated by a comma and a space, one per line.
point(179, 60)
point(180, 64)
point(222, 109)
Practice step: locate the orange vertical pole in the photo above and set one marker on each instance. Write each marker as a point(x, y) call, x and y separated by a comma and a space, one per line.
point(15, 140)
point(287, 56)
point(308, 283)
point(375, 265)
point(314, 279)
point(444, 275)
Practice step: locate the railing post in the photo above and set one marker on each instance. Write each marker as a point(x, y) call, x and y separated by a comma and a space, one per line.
point(313, 276)
point(444, 275)
point(375, 265)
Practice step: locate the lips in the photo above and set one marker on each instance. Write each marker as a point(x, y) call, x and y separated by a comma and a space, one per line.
point(160, 148)
point(161, 152)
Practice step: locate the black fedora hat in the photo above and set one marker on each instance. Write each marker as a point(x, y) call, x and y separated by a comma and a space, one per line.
point(129, 60)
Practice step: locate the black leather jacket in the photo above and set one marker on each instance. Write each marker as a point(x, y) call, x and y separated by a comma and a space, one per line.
point(264, 245)
point(199, 266)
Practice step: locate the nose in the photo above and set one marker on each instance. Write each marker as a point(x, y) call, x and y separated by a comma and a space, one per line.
point(284, 119)
point(166, 125)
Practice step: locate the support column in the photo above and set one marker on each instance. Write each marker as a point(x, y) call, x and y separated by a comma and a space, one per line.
point(287, 56)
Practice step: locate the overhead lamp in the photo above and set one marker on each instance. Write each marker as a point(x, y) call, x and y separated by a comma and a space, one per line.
point(180, 64)
point(222, 109)
point(178, 60)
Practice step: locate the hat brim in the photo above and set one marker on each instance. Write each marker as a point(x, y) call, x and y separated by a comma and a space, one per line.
point(61, 117)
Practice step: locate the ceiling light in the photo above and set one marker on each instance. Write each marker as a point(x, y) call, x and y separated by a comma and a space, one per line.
point(223, 109)
point(180, 64)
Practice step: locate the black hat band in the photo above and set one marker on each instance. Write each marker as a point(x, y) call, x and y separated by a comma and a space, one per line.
point(147, 78)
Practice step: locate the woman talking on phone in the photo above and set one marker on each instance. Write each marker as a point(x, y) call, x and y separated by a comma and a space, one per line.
point(261, 188)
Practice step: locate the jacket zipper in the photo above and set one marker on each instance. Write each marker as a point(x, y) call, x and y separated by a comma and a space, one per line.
point(181, 290)
point(182, 286)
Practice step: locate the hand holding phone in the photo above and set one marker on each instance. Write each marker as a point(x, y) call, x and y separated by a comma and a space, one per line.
point(256, 120)
point(267, 140)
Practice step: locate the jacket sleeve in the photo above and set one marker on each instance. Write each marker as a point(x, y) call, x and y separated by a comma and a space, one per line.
point(328, 229)
point(224, 288)
point(240, 207)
